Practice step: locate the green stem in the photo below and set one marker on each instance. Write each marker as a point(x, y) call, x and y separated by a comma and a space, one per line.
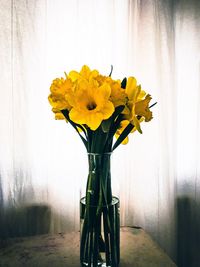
point(86, 248)
point(84, 236)
point(106, 237)
point(117, 231)
point(90, 247)
point(113, 240)
point(96, 240)
point(98, 203)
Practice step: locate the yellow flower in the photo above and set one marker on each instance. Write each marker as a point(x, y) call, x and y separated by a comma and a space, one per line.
point(91, 98)
point(85, 73)
point(58, 114)
point(135, 96)
point(90, 103)
point(142, 108)
point(118, 95)
point(60, 87)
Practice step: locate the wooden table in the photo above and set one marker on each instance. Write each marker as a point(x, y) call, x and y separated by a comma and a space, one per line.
point(62, 250)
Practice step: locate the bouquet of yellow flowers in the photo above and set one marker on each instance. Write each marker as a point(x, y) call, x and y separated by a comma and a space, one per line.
point(99, 108)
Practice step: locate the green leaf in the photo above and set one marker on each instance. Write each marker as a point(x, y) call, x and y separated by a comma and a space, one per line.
point(115, 121)
point(113, 130)
point(65, 112)
point(123, 135)
point(106, 125)
point(111, 71)
point(75, 125)
point(117, 111)
point(153, 105)
point(89, 137)
point(123, 83)
point(115, 125)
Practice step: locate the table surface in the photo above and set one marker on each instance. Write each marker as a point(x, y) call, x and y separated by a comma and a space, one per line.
point(62, 250)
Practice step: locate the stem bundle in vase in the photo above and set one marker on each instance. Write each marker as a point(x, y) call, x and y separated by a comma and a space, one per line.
point(100, 216)
point(100, 108)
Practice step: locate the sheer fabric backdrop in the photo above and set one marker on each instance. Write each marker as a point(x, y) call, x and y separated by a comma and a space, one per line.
point(43, 162)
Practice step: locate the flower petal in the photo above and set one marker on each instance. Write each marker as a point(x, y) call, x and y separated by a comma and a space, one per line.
point(94, 120)
point(130, 87)
point(142, 108)
point(107, 110)
point(136, 123)
point(105, 91)
point(73, 75)
point(76, 116)
point(125, 141)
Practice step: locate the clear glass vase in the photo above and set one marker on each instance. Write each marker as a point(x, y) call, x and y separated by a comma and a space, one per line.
point(99, 216)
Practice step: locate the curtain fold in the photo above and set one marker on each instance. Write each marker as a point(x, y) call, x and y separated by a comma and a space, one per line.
point(43, 164)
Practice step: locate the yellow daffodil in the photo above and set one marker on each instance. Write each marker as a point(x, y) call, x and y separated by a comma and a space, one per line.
point(135, 96)
point(90, 99)
point(85, 73)
point(90, 104)
point(118, 95)
point(142, 108)
point(60, 87)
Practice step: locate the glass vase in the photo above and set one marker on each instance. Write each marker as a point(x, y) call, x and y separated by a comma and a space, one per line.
point(99, 216)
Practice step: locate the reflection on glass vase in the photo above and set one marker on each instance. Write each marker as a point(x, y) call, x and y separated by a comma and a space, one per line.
point(99, 216)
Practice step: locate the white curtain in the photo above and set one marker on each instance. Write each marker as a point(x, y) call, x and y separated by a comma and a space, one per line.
point(43, 164)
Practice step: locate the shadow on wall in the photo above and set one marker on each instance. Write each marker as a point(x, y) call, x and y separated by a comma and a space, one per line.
point(188, 232)
point(17, 218)
point(21, 215)
point(24, 221)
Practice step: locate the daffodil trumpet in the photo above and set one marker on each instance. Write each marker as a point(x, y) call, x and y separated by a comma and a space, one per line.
point(100, 108)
